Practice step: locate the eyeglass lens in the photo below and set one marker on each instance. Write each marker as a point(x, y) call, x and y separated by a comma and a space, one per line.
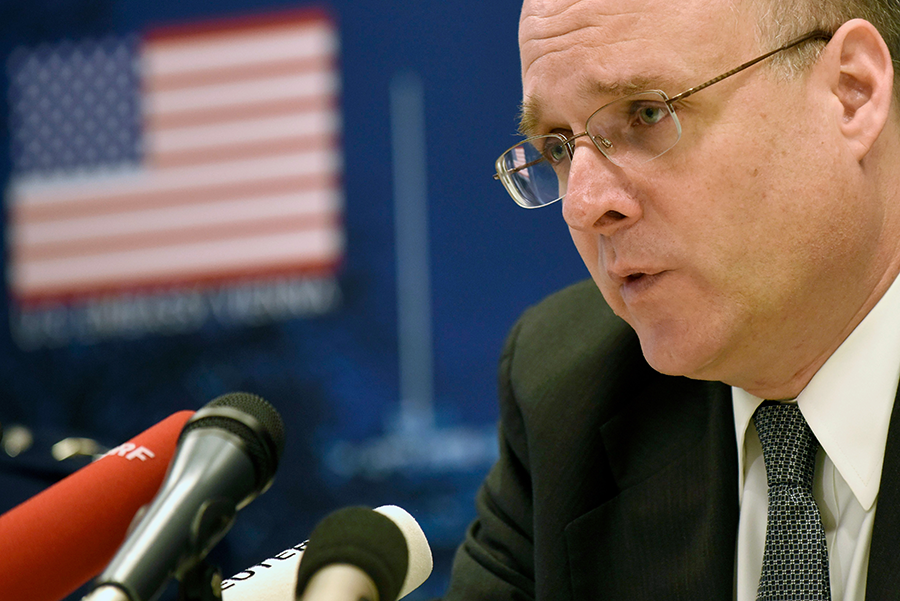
point(628, 131)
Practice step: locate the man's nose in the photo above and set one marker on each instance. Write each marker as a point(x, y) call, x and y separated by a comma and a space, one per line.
point(599, 197)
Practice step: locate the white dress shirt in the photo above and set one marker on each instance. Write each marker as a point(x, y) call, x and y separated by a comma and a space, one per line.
point(848, 406)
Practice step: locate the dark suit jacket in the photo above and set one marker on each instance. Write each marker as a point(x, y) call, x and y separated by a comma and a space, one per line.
point(614, 481)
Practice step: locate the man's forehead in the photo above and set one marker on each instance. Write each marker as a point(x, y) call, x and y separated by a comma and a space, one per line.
point(570, 10)
point(548, 26)
point(603, 49)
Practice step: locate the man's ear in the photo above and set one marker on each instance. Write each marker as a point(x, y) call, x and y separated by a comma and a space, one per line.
point(863, 85)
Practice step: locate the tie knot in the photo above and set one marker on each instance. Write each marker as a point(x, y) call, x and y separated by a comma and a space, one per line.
point(789, 446)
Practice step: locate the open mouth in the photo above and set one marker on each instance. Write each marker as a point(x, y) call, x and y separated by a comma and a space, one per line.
point(638, 283)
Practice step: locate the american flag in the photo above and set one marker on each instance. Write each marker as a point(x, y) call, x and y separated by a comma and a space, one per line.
point(197, 154)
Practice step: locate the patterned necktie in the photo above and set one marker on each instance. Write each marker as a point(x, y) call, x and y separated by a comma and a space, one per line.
point(795, 560)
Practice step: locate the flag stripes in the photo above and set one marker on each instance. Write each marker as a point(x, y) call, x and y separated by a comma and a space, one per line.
point(239, 170)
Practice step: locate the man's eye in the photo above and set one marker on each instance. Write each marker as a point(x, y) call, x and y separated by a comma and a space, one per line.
point(650, 114)
point(555, 153)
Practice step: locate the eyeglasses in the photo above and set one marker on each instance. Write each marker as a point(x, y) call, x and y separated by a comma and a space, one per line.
point(628, 131)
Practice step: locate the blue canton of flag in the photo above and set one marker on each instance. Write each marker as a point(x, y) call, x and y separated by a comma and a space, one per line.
point(75, 105)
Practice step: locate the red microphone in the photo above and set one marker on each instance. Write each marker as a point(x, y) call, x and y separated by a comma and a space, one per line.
point(77, 525)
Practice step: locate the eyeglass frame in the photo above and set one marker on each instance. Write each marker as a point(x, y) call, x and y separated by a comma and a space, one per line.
point(568, 142)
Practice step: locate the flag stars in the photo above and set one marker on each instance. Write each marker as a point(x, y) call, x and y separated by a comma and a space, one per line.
point(74, 105)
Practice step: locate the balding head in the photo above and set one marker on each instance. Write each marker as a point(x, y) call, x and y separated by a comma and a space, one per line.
point(751, 248)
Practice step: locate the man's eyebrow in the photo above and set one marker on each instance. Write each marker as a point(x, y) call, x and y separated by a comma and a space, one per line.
point(532, 108)
point(529, 116)
point(623, 88)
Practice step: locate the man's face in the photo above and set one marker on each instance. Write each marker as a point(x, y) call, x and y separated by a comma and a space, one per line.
point(732, 250)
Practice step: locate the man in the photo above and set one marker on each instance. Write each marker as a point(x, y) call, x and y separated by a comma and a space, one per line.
point(746, 228)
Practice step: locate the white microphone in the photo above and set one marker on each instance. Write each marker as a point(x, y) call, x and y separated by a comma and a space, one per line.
point(276, 578)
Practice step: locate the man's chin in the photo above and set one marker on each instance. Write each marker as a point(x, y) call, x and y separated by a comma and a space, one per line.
point(674, 358)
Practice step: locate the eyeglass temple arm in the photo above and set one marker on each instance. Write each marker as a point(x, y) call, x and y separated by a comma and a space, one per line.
point(818, 34)
point(519, 168)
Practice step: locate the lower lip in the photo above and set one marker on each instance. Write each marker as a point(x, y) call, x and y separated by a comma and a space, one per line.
point(634, 288)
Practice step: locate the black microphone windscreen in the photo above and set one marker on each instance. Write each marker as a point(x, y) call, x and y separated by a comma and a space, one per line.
point(362, 537)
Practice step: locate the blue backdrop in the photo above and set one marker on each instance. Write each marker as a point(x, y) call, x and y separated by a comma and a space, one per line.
point(336, 378)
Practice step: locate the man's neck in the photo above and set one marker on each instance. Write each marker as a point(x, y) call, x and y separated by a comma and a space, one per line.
point(788, 384)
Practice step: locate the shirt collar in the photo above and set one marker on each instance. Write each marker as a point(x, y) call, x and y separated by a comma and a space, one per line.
point(848, 402)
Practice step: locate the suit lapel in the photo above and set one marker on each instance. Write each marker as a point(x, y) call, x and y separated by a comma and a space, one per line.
point(883, 579)
point(670, 532)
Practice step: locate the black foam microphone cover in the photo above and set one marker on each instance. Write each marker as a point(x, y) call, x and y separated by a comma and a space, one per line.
point(361, 537)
